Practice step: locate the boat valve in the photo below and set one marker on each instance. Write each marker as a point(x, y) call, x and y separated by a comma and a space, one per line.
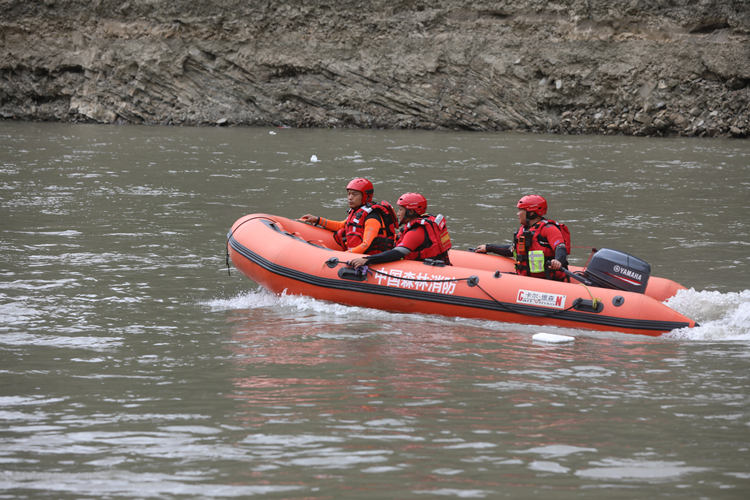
point(332, 262)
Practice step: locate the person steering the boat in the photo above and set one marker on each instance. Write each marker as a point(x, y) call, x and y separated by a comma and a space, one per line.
point(541, 246)
point(369, 227)
point(422, 236)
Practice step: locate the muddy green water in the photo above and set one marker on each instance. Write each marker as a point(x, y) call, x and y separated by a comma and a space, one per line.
point(133, 366)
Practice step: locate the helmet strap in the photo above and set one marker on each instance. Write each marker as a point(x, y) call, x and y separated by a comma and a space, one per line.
point(532, 218)
point(409, 215)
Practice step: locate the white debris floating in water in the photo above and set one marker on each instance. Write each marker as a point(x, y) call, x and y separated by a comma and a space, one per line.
point(313, 159)
point(552, 338)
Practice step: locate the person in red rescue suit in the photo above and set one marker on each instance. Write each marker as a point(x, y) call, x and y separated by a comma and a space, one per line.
point(368, 228)
point(537, 236)
point(423, 236)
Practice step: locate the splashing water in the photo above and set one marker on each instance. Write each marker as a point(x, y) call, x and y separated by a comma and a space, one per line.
point(722, 316)
point(294, 304)
point(254, 299)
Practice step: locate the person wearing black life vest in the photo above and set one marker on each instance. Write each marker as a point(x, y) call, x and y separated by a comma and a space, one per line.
point(369, 227)
point(423, 236)
point(541, 246)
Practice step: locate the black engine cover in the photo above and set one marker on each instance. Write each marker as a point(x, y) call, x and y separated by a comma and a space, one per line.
point(618, 270)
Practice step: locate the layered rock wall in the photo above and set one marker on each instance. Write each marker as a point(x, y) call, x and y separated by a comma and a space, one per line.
point(636, 67)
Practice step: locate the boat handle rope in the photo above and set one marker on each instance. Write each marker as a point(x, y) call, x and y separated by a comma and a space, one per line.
point(231, 233)
point(508, 308)
point(472, 281)
point(583, 282)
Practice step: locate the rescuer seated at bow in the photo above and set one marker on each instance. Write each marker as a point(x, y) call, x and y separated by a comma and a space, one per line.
point(422, 236)
point(369, 227)
point(541, 246)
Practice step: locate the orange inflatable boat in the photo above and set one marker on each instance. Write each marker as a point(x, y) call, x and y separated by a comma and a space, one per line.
point(613, 293)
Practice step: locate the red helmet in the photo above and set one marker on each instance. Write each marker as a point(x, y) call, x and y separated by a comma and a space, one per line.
point(364, 186)
point(533, 203)
point(413, 201)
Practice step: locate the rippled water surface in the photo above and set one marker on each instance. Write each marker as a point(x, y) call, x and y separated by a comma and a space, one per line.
point(134, 365)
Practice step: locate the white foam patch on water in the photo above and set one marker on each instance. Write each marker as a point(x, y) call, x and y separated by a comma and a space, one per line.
point(613, 468)
point(722, 316)
point(558, 450)
point(546, 466)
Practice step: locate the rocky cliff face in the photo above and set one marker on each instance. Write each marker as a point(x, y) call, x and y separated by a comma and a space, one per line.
point(637, 67)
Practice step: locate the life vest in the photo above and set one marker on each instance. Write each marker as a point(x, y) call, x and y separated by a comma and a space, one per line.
point(351, 234)
point(438, 240)
point(531, 240)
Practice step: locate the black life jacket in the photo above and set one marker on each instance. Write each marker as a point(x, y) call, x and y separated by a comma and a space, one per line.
point(530, 239)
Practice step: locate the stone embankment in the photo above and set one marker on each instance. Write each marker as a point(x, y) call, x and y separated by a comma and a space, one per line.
point(634, 67)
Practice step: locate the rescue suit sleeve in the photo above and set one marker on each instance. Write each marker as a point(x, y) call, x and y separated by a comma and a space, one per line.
point(331, 225)
point(555, 238)
point(397, 253)
point(503, 250)
point(561, 254)
point(372, 227)
point(553, 235)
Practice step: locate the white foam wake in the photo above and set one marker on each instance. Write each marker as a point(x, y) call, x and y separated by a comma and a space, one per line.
point(722, 316)
point(295, 304)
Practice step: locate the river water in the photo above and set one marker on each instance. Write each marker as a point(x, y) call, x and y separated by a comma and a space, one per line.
point(133, 364)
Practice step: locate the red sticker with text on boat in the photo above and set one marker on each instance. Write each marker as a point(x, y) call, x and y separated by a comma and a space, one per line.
point(536, 298)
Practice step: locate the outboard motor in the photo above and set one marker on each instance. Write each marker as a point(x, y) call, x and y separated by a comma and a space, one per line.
point(618, 270)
